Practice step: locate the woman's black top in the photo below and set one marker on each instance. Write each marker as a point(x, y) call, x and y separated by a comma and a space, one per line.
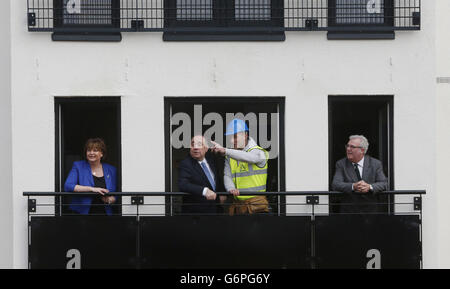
point(97, 205)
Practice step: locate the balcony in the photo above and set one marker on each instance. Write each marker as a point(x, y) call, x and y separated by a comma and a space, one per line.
point(301, 233)
point(222, 19)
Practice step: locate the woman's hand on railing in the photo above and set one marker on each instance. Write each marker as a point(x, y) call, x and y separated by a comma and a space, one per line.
point(100, 191)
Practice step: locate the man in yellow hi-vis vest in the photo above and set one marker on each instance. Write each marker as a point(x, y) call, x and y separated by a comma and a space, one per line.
point(245, 169)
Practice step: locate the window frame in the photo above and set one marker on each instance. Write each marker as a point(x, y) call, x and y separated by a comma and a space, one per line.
point(169, 101)
point(388, 16)
point(389, 162)
point(58, 18)
point(60, 101)
point(223, 19)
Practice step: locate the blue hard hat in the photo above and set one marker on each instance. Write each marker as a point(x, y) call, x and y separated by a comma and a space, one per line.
point(235, 126)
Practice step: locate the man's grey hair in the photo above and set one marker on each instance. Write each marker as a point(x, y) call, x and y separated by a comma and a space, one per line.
point(364, 141)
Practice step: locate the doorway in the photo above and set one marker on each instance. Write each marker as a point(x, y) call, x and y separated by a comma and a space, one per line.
point(371, 116)
point(202, 110)
point(76, 120)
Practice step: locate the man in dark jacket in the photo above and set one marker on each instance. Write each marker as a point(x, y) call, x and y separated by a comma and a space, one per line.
point(198, 177)
point(360, 176)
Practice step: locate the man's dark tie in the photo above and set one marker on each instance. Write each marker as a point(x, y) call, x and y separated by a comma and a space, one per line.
point(208, 175)
point(358, 175)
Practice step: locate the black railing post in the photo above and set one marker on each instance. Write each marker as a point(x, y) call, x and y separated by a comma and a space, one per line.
point(421, 233)
point(28, 234)
point(138, 237)
point(313, 200)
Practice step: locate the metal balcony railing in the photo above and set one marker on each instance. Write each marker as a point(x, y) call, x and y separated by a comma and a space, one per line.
point(304, 235)
point(99, 16)
point(386, 204)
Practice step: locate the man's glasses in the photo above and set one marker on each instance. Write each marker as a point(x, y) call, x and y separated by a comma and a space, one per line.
point(197, 145)
point(352, 147)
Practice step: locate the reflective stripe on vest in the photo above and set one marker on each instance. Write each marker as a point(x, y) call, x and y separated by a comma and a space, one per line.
point(249, 178)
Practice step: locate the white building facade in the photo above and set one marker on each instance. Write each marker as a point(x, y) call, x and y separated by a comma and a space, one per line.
point(307, 74)
point(442, 133)
point(6, 224)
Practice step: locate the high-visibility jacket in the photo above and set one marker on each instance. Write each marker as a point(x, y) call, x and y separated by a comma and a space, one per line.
point(249, 177)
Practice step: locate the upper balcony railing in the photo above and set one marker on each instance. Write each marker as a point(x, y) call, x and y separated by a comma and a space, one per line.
point(104, 16)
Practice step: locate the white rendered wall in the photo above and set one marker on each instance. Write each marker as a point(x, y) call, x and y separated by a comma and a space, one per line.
point(443, 130)
point(6, 212)
point(142, 69)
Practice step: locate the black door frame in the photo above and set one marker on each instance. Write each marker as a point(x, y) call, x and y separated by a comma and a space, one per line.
point(168, 100)
point(389, 100)
point(59, 129)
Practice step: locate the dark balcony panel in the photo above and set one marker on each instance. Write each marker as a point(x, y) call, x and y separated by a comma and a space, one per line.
point(368, 242)
point(244, 242)
point(223, 36)
point(360, 35)
point(83, 242)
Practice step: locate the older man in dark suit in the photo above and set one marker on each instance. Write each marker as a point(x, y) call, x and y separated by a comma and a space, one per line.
point(360, 176)
point(198, 177)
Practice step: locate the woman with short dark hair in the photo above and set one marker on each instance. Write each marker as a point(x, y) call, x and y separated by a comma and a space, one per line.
point(91, 175)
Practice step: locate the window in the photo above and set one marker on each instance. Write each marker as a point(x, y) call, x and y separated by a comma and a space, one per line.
point(360, 12)
point(101, 117)
point(86, 13)
point(371, 116)
point(265, 117)
point(240, 14)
